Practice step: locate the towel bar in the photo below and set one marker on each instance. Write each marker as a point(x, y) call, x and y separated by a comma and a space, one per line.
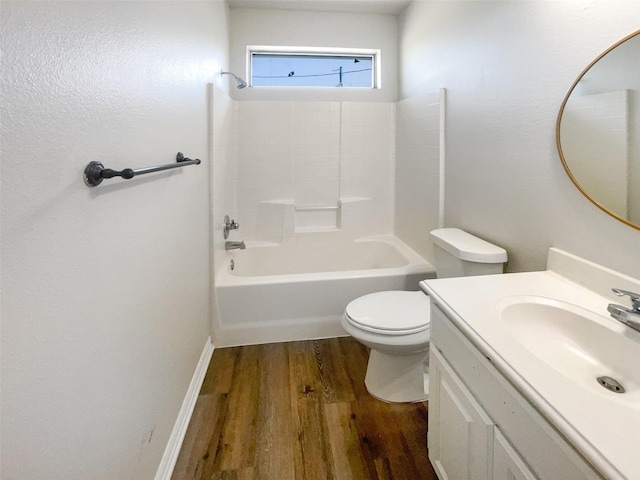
point(95, 172)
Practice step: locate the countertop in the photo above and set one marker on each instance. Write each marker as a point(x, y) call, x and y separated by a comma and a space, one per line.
point(602, 425)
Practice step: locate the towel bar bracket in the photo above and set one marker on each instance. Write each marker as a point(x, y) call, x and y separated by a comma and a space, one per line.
point(95, 172)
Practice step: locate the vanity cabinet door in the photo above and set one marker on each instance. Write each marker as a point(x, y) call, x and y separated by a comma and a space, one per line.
point(460, 433)
point(507, 464)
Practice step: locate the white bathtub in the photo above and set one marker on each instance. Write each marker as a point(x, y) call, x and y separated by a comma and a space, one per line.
point(298, 291)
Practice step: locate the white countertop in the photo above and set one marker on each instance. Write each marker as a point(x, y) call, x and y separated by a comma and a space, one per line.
point(604, 426)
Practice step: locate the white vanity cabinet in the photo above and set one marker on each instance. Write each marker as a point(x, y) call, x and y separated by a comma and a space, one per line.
point(464, 443)
point(460, 432)
point(480, 426)
point(507, 464)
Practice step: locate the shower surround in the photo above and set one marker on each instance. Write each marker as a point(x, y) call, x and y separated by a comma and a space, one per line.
point(309, 167)
point(323, 173)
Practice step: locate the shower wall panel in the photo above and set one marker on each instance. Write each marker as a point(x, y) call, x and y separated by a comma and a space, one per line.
point(367, 166)
point(314, 154)
point(265, 159)
point(419, 170)
point(223, 154)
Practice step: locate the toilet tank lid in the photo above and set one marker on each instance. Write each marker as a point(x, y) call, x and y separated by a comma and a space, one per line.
point(467, 247)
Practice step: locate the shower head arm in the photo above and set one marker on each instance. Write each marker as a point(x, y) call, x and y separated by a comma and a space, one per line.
point(240, 82)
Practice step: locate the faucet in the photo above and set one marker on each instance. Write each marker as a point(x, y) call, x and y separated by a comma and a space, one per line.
point(228, 226)
point(229, 245)
point(628, 316)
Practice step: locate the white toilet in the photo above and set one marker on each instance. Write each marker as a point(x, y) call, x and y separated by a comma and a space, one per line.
point(396, 325)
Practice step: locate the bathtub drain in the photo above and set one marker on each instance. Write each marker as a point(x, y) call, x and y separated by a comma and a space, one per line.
point(232, 265)
point(611, 384)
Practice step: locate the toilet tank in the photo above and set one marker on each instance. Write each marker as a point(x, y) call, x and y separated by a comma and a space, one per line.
point(460, 254)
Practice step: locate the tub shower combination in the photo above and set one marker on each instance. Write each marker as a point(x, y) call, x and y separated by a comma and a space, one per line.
point(323, 183)
point(299, 290)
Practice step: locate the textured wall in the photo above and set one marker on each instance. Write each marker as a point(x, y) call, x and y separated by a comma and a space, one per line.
point(105, 291)
point(507, 67)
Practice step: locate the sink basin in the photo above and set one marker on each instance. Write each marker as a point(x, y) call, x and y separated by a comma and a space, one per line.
point(574, 342)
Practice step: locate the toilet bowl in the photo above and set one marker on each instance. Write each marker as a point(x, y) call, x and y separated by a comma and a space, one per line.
point(398, 335)
point(396, 325)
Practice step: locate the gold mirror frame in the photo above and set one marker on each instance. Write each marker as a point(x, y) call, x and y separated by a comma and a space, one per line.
point(559, 120)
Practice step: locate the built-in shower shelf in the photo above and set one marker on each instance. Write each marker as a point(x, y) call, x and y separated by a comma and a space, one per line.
point(301, 208)
point(281, 219)
point(317, 218)
point(316, 229)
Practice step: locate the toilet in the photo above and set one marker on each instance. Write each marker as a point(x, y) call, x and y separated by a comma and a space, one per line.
point(396, 325)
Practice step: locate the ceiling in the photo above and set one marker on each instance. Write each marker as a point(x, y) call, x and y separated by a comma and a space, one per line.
point(385, 7)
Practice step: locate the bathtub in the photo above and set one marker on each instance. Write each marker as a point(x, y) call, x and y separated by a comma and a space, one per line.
point(298, 291)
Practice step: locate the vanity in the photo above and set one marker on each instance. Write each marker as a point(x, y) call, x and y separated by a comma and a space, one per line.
point(530, 378)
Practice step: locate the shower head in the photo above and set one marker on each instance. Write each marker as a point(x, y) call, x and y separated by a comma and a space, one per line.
point(240, 83)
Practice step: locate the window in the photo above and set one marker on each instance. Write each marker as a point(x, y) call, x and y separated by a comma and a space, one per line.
point(313, 67)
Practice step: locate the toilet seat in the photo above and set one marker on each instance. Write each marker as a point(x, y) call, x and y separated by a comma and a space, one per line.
point(390, 313)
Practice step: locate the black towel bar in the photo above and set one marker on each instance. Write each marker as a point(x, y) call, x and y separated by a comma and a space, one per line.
point(95, 172)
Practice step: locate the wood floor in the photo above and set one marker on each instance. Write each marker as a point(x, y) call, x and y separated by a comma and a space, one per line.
point(300, 410)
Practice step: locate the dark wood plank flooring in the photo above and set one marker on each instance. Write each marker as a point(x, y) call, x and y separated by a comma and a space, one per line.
point(299, 410)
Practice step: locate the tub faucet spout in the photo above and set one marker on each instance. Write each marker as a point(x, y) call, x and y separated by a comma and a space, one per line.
point(229, 245)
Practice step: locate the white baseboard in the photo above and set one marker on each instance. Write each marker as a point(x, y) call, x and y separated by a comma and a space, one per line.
point(170, 456)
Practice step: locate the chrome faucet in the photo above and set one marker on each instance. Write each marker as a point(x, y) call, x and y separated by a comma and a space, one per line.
point(628, 316)
point(229, 245)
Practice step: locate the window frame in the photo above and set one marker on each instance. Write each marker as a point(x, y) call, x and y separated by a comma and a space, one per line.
point(375, 55)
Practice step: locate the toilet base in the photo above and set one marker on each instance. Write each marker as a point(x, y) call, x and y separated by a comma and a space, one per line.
point(397, 378)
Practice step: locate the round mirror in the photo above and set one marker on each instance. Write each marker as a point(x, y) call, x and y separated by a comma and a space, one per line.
point(598, 131)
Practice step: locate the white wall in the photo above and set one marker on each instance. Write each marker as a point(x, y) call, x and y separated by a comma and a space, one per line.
point(315, 29)
point(419, 176)
point(507, 67)
point(105, 291)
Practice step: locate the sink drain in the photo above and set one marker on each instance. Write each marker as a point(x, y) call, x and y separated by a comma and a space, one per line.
point(611, 384)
